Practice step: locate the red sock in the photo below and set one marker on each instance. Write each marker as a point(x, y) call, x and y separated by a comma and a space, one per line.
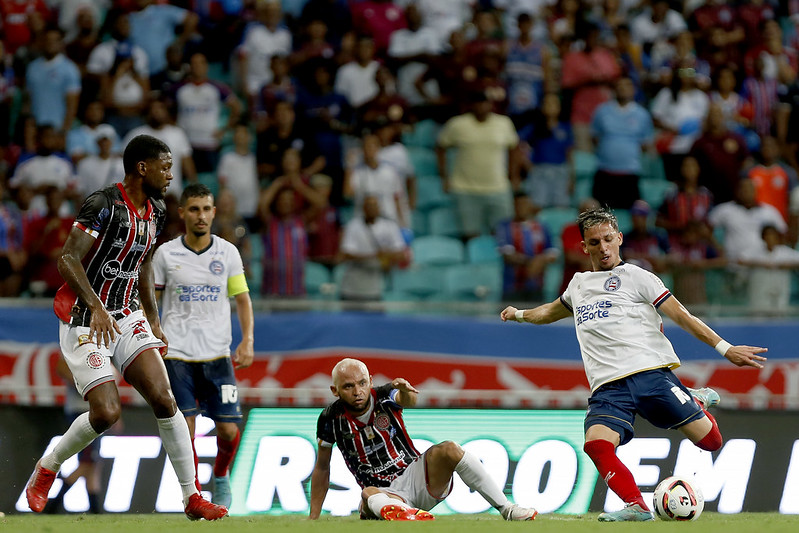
point(196, 463)
point(225, 452)
point(713, 440)
point(618, 477)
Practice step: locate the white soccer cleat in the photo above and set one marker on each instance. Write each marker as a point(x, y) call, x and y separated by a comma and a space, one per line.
point(516, 512)
point(631, 513)
point(706, 396)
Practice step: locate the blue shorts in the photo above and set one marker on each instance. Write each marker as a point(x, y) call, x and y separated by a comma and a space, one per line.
point(207, 388)
point(657, 395)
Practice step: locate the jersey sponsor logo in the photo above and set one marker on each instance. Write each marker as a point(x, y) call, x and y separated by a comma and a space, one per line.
point(179, 254)
point(376, 469)
point(612, 284)
point(216, 267)
point(136, 247)
point(95, 360)
point(97, 224)
point(198, 293)
point(593, 311)
point(113, 269)
point(382, 422)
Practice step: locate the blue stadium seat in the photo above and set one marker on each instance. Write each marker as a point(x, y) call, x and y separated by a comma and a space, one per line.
point(430, 194)
point(424, 160)
point(418, 282)
point(419, 223)
point(210, 180)
point(652, 167)
point(483, 249)
point(585, 165)
point(583, 189)
point(317, 281)
point(474, 282)
point(624, 218)
point(256, 246)
point(345, 213)
point(654, 191)
point(443, 221)
point(437, 250)
point(553, 277)
point(555, 219)
point(423, 134)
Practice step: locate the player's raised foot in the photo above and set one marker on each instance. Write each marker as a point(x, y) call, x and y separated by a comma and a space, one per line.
point(706, 396)
point(516, 512)
point(222, 494)
point(631, 513)
point(397, 512)
point(38, 487)
point(199, 508)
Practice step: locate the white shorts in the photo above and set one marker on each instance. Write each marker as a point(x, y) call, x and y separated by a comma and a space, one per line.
point(92, 365)
point(411, 486)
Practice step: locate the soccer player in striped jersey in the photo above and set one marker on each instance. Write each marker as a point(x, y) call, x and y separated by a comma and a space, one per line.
point(628, 360)
point(398, 482)
point(109, 318)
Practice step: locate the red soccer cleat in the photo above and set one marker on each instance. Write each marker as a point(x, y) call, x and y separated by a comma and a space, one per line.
point(424, 515)
point(199, 508)
point(39, 487)
point(396, 512)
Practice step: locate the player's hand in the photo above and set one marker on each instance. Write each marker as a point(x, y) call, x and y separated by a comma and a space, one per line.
point(243, 356)
point(103, 327)
point(402, 385)
point(159, 333)
point(509, 313)
point(746, 355)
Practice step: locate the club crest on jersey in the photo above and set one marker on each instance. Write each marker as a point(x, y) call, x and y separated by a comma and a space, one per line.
point(382, 422)
point(612, 284)
point(95, 360)
point(217, 267)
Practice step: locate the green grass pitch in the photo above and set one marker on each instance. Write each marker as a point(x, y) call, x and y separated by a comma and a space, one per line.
point(485, 523)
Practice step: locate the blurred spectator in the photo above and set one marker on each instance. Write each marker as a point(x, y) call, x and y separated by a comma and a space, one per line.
point(761, 94)
point(336, 13)
point(322, 224)
point(566, 23)
point(53, 83)
point(84, 39)
point(631, 59)
point(377, 19)
point(370, 248)
point(445, 17)
point(668, 57)
point(526, 68)
point(588, 73)
point(395, 154)
point(691, 202)
point(200, 102)
point(159, 125)
point(102, 167)
point(743, 219)
point(442, 83)
point(693, 252)
point(231, 226)
point(779, 62)
point(549, 142)
point(17, 18)
point(753, 14)
point(12, 249)
point(771, 269)
point(154, 26)
point(356, 80)
point(644, 245)
point(716, 23)
point(678, 111)
point(737, 111)
point(124, 92)
point(773, 180)
point(82, 140)
point(537, 10)
point(375, 178)
point(656, 25)
point(622, 130)
point(8, 91)
point(486, 160)
point(527, 249)
point(722, 155)
point(410, 49)
point(103, 58)
point(574, 257)
point(283, 134)
point(314, 45)
point(386, 104)
point(787, 129)
point(282, 88)
point(44, 238)
point(263, 38)
point(238, 173)
point(74, 14)
point(486, 39)
point(174, 73)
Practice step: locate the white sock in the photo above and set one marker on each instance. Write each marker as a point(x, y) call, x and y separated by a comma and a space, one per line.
point(376, 502)
point(79, 435)
point(177, 443)
point(476, 477)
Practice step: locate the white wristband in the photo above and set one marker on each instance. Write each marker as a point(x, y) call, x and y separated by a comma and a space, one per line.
point(723, 346)
point(520, 315)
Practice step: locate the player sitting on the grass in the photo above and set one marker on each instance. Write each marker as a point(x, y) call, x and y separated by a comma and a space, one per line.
point(398, 482)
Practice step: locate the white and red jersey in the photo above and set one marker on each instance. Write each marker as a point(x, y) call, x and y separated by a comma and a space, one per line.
point(618, 327)
point(122, 240)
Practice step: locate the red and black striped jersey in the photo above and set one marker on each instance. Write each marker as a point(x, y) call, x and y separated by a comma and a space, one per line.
point(122, 240)
point(376, 452)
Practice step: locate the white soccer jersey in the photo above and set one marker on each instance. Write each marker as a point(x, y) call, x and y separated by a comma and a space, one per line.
point(195, 313)
point(618, 327)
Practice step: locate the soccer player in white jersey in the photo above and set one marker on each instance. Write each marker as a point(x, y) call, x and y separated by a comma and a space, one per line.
point(628, 359)
point(197, 273)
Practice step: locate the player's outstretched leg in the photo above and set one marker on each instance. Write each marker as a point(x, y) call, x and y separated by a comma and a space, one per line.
point(706, 397)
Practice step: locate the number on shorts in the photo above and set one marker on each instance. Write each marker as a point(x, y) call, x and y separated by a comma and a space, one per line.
point(681, 395)
point(230, 394)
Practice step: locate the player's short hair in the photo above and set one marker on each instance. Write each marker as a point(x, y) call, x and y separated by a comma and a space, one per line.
point(345, 364)
point(595, 217)
point(142, 148)
point(195, 190)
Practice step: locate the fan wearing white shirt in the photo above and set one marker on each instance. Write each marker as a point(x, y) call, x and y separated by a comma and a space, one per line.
point(628, 360)
point(375, 178)
point(356, 80)
point(238, 172)
point(96, 172)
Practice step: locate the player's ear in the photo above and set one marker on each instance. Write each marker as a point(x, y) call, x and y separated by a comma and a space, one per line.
point(585, 248)
point(621, 238)
point(334, 390)
point(181, 212)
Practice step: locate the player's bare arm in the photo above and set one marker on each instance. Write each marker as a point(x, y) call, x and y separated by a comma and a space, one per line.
point(243, 356)
point(408, 395)
point(148, 299)
point(102, 326)
point(740, 355)
point(543, 314)
point(320, 480)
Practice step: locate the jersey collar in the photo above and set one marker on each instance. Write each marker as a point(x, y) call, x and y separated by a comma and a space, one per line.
point(183, 242)
point(148, 213)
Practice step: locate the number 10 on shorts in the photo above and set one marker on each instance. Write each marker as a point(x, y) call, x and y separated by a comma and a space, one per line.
point(230, 394)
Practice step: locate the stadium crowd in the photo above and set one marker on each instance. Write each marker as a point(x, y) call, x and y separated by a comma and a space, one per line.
point(363, 144)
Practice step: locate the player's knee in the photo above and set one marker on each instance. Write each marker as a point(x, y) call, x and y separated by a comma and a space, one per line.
point(162, 403)
point(449, 451)
point(103, 416)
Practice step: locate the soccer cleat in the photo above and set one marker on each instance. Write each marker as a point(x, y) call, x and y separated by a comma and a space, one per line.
point(632, 512)
point(424, 515)
point(706, 396)
point(222, 494)
point(397, 512)
point(198, 508)
point(38, 487)
point(516, 512)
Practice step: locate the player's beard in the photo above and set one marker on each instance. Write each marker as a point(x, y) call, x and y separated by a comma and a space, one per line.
point(364, 409)
point(156, 193)
point(200, 233)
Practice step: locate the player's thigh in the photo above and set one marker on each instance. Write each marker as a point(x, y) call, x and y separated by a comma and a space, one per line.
point(412, 487)
point(664, 401)
point(90, 364)
point(611, 406)
point(217, 392)
point(135, 339)
point(182, 377)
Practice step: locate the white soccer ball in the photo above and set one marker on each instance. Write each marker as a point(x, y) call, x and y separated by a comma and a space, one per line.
point(677, 498)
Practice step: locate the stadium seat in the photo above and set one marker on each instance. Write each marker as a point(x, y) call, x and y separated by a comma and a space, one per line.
point(654, 191)
point(474, 282)
point(430, 194)
point(437, 250)
point(583, 189)
point(443, 221)
point(424, 160)
point(483, 249)
point(585, 164)
point(345, 213)
point(555, 219)
point(256, 246)
point(652, 167)
point(255, 278)
point(418, 282)
point(423, 134)
point(318, 281)
point(210, 180)
point(553, 277)
point(625, 219)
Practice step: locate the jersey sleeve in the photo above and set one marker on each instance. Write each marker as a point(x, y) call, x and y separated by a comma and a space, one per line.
point(159, 268)
point(387, 394)
point(650, 287)
point(566, 298)
point(94, 214)
point(324, 429)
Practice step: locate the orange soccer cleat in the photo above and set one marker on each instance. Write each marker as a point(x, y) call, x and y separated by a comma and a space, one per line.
point(199, 508)
point(38, 487)
point(396, 512)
